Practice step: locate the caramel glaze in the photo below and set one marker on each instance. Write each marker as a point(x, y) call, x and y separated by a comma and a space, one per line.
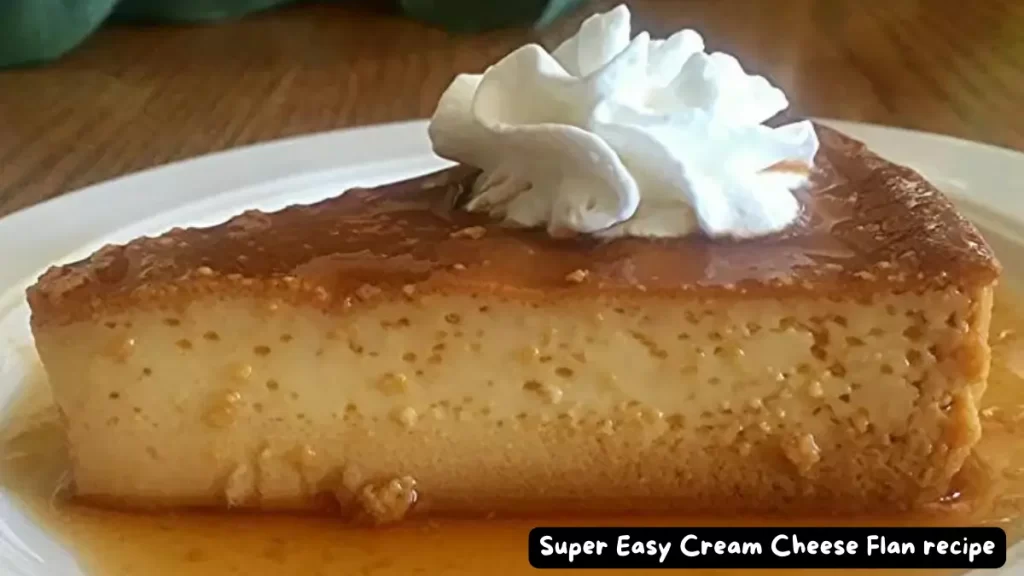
point(867, 226)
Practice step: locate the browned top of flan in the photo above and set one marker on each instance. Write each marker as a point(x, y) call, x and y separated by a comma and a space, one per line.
point(868, 226)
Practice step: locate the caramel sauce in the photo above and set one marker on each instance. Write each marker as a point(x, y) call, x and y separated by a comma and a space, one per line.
point(988, 491)
point(867, 225)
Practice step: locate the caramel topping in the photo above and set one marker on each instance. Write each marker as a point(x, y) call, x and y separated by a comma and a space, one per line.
point(868, 225)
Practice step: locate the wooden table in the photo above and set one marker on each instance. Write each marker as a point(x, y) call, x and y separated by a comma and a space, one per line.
point(135, 97)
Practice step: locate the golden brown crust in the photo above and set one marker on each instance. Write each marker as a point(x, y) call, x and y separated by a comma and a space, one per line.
point(868, 226)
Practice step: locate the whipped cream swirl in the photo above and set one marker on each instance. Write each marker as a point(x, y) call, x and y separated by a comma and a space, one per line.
point(615, 136)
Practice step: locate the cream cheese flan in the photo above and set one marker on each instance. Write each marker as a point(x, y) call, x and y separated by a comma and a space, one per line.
point(384, 352)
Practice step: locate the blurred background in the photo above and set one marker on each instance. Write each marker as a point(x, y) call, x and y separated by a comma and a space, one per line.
point(91, 90)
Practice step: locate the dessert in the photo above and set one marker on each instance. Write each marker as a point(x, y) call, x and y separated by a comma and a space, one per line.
point(658, 303)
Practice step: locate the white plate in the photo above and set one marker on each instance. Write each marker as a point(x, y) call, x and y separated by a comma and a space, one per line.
point(988, 183)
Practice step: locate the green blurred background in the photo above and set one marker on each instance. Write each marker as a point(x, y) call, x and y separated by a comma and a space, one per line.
point(33, 32)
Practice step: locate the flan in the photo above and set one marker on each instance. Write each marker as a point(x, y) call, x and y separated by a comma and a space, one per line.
point(384, 353)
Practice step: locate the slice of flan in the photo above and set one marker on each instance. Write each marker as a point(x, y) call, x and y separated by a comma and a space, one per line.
point(384, 351)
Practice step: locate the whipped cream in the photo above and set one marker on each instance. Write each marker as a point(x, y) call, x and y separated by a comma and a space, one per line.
point(614, 136)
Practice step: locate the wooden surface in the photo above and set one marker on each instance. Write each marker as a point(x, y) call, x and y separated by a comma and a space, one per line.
point(135, 97)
